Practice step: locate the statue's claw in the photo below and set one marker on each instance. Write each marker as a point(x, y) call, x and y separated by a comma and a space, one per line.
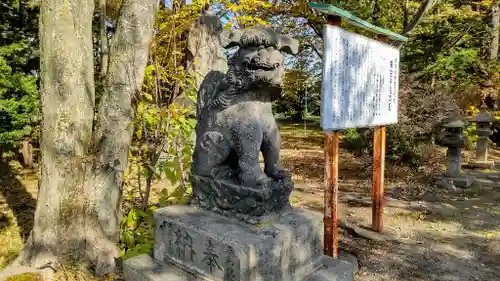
point(277, 173)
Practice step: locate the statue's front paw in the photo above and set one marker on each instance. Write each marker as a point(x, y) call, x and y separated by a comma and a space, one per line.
point(263, 180)
point(254, 178)
point(277, 173)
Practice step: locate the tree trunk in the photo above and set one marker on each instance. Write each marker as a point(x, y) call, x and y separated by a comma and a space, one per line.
point(424, 8)
point(376, 12)
point(495, 31)
point(27, 153)
point(103, 34)
point(203, 51)
point(81, 172)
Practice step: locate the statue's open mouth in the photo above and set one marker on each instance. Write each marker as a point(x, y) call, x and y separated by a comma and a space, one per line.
point(261, 66)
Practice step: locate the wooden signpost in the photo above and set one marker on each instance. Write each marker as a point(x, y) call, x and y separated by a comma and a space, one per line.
point(359, 89)
point(331, 147)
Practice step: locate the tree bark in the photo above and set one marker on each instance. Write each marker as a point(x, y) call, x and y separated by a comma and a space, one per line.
point(81, 172)
point(495, 31)
point(203, 51)
point(103, 34)
point(27, 153)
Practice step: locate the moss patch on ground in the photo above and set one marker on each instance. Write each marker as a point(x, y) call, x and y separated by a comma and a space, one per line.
point(26, 277)
point(10, 238)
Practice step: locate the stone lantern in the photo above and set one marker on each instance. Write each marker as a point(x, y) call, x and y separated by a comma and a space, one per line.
point(483, 130)
point(454, 141)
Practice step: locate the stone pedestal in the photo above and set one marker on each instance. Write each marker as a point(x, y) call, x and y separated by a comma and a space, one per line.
point(193, 244)
point(481, 161)
point(454, 182)
point(453, 161)
point(453, 177)
point(481, 164)
point(454, 141)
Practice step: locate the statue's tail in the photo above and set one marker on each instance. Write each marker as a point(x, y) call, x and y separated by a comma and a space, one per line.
point(211, 85)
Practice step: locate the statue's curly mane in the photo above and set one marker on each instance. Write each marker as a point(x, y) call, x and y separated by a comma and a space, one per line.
point(255, 37)
point(232, 86)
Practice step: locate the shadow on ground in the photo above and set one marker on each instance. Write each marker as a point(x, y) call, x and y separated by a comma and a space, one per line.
point(17, 197)
point(445, 236)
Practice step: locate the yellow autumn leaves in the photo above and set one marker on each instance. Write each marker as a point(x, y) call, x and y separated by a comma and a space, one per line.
point(245, 13)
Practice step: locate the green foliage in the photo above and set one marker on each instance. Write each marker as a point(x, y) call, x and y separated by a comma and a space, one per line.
point(421, 111)
point(299, 89)
point(164, 122)
point(18, 86)
point(163, 128)
point(447, 59)
point(18, 103)
point(137, 233)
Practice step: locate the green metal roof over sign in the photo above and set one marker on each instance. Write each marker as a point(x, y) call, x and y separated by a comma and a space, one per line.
point(332, 10)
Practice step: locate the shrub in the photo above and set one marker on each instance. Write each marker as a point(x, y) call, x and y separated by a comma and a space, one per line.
point(18, 100)
point(421, 111)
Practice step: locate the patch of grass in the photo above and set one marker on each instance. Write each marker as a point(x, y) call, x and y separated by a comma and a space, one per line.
point(295, 136)
point(67, 273)
point(494, 211)
point(79, 274)
point(26, 277)
point(413, 215)
point(264, 224)
point(10, 239)
point(489, 171)
point(294, 200)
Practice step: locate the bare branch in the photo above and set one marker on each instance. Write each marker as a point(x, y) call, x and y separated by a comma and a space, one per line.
point(424, 8)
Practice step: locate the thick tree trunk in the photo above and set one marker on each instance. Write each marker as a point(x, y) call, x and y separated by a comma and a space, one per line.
point(128, 57)
point(67, 96)
point(81, 173)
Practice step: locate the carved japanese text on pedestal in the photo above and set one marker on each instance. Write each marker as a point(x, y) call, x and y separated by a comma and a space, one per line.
point(200, 252)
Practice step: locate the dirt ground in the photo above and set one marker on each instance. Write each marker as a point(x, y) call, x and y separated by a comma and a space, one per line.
point(430, 233)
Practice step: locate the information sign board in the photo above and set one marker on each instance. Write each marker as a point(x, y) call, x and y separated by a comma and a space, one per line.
point(360, 81)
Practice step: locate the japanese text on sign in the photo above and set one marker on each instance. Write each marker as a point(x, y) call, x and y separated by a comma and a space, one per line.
point(360, 81)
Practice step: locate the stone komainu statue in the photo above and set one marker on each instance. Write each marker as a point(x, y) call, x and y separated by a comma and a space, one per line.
point(235, 124)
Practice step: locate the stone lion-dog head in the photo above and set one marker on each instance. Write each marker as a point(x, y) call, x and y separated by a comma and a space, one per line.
point(259, 61)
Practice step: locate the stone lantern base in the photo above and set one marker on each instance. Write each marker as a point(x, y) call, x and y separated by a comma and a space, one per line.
point(454, 182)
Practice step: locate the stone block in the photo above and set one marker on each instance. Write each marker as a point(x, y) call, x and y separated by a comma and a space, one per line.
point(333, 270)
point(193, 244)
point(454, 182)
point(222, 248)
point(144, 268)
point(474, 164)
